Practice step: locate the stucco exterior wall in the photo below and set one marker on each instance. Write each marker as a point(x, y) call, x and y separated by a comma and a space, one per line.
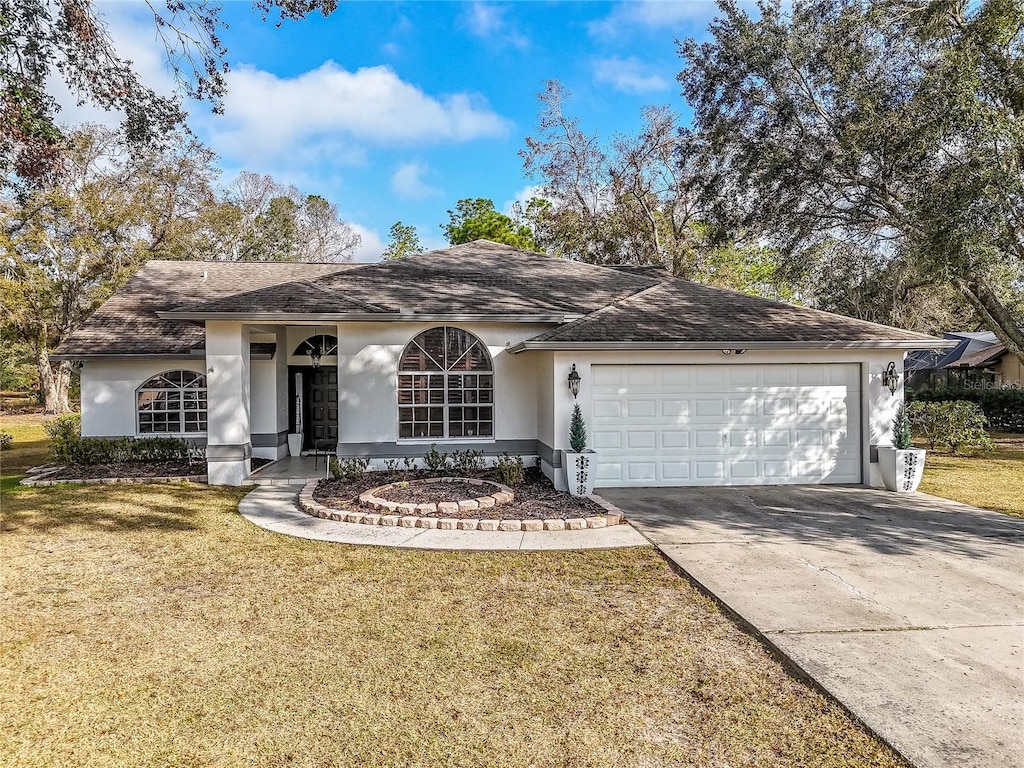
point(368, 358)
point(108, 392)
point(878, 406)
point(1009, 372)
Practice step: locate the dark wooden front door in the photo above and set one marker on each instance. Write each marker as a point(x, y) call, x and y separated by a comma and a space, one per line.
point(322, 409)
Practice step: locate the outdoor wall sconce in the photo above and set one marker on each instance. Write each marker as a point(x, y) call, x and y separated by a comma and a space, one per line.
point(891, 378)
point(574, 382)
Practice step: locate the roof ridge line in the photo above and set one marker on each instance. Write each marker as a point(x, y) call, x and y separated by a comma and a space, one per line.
point(591, 315)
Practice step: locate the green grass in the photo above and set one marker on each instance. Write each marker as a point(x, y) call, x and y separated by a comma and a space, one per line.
point(30, 447)
point(153, 626)
point(992, 480)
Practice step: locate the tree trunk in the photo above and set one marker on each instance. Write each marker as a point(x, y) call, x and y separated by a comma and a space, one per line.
point(994, 315)
point(53, 384)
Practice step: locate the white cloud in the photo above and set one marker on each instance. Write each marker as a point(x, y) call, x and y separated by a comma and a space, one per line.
point(268, 115)
point(487, 21)
point(371, 247)
point(523, 196)
point(629, 75)
point(407, 182)
point(655, 14)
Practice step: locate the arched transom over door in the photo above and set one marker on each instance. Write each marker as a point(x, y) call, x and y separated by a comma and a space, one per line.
point(445, 386)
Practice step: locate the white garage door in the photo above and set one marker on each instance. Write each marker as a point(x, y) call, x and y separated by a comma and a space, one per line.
point(725, 424)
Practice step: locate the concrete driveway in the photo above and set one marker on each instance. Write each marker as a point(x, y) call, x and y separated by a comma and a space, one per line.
point(907, 608)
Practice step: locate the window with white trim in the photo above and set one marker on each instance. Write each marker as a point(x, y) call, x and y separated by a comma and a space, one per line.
point(445, 386)
point(172, 403)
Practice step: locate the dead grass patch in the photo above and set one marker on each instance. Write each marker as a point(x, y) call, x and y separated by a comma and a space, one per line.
point(152, 625)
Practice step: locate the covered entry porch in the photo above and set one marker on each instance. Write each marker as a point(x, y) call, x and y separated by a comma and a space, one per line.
point(272, 389)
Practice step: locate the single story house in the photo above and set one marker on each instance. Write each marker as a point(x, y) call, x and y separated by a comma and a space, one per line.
point(1001, 369)
point(948, 368)
point(472, 347)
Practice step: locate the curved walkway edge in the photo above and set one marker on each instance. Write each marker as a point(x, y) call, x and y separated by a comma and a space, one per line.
point(275, 508)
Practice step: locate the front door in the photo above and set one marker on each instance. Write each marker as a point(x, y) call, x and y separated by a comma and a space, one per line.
point(322, 397)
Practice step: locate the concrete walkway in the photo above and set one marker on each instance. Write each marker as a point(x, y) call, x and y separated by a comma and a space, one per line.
point(275, 508)
point(908, 609)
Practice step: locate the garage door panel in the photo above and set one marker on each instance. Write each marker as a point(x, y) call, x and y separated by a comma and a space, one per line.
point(726, 424)
point(605, 440)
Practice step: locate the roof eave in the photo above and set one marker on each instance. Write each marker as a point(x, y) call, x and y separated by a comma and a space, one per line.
point(367, 317)
point(597, 346)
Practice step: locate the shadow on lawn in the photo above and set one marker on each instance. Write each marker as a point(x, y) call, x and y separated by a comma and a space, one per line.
point(884, 522)
point(170, 507)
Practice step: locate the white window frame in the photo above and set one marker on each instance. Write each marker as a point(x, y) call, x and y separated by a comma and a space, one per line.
point(181, 410)
point(446, 373)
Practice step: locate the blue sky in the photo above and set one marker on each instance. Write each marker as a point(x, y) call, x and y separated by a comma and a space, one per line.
point(395, 111)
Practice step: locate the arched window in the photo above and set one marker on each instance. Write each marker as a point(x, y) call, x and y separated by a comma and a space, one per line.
point(445, 386)
point(173, 403)
point(324, 343)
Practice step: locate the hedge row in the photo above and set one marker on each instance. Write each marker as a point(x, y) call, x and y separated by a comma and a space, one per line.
point(69, 447)
point(1003, 407)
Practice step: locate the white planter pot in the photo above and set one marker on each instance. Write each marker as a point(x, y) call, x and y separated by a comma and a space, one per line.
point(901, 469)
point(579, 472)
point(295, 443)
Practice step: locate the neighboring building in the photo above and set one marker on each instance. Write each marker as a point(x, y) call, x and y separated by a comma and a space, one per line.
point(977, 360)
point(470, 347)
point(1005, 370)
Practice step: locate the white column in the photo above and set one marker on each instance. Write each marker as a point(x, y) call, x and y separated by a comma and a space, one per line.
point(228, 435)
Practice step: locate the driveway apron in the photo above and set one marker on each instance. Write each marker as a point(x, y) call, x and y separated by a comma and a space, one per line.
point(906, 608)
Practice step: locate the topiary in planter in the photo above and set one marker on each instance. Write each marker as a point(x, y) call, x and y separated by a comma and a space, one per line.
point(577, 431)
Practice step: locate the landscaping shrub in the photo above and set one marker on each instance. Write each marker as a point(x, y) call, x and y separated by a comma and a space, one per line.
point(70, 448)
point(1004, 408)
point(509, 470)
point(467, 462)
point(6, 441)
point(62, 431)
point(901, 436)
point(436, 461)
point(954, 424)
point(577, 431)
point(349, 468)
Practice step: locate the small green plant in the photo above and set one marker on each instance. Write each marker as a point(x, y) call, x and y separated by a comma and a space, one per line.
point(467, 462)
point(577, 431)
point(436, 461)
point(901, 437)
point(349, 468)
point(6, 441)
point(509, 470)
point(951, 424)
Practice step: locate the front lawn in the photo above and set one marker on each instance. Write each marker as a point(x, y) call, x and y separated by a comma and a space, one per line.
point(153, 626)
point(31, 444)
point(990, 480)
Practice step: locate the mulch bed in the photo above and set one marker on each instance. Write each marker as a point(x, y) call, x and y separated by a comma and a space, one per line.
point(535, 499)
point(453, 490)
point(129, 469)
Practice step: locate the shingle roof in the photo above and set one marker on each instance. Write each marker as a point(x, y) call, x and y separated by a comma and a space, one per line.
point(479, 278)
point(127, 324)
point(474, 278)
point(990, 354)
point(681, 311)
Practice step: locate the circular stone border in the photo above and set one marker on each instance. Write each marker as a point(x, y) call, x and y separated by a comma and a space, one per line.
point(501, 495)
point(613, 515)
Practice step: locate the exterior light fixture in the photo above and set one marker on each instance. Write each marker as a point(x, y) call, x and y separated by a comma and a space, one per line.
point(574, 382)
point(314, 352)
point(891, 378)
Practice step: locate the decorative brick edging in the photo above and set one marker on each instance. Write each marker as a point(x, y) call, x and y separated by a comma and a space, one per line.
point(502, 495)
point(613, 516)
point(115, 480)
